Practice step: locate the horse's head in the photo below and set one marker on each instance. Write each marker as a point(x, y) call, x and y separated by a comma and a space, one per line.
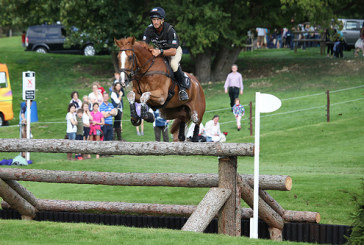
point(126, 59)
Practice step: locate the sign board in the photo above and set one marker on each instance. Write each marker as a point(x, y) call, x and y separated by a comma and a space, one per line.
point(29, 85)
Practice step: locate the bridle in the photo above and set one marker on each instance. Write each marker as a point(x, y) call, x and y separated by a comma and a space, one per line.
point(132, 72)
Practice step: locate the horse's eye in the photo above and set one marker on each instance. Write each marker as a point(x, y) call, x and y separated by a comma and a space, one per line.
point(129, 58)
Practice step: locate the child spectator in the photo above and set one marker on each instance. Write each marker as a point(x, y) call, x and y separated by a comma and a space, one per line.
point(238, 111)
point(71, 125)
point(79, 132)
point(160, 127)
point(86, 118)
point(138, 107)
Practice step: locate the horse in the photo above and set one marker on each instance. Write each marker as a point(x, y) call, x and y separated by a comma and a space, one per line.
point(153, 85)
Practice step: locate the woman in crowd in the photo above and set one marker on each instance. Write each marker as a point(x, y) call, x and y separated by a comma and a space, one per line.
point(213, 130)
point(75, 100)
point(95, 96)
point(71, 125)
point(117, 101)
point(95, 124)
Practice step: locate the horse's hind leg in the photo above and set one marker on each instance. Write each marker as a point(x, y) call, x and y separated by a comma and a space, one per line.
point(134, 118)
point(181, 133)
point(144, 113)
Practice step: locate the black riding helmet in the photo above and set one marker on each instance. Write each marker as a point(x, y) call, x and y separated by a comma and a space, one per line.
point(157, 12)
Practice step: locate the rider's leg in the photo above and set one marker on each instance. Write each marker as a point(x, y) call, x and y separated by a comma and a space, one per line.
point(178, 73)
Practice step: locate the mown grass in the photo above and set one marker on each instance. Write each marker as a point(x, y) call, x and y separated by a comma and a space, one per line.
point(325, 160)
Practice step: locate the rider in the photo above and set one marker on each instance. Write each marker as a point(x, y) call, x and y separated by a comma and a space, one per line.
point(165, 38)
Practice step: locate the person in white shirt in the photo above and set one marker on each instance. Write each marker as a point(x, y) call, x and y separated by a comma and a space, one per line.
point(213, 130)
point(95, 96)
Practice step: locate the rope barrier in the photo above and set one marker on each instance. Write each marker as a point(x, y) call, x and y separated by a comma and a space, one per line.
point(268, 115)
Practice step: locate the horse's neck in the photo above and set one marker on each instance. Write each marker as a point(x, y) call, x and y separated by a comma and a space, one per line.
point(145, 57)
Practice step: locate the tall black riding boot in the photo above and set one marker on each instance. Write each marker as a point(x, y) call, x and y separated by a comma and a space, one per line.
point(180, 76)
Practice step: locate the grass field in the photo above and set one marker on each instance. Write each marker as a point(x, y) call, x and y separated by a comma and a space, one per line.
point(325, 160)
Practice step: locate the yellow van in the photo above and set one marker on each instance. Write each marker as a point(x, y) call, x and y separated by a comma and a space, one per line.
point(6, 96)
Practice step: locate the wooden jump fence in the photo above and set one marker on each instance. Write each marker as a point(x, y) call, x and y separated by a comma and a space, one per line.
point(223, 200)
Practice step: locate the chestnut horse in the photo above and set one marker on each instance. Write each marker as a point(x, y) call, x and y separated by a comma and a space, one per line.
point(153, 85)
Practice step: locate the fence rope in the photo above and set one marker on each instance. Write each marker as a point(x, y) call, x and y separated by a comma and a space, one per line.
point(268, 115)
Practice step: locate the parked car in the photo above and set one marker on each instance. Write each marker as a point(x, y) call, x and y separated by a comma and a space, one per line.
point(51, 38)
point(351, 31)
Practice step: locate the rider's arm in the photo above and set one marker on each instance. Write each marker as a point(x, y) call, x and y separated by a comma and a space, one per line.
point(166, 52)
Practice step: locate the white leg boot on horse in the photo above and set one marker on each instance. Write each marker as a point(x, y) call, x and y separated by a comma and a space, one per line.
point(134, 118)
point(144, 113)
point(183, 83)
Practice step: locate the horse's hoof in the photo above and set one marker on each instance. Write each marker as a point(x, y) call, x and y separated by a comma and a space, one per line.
point(136, 122)
point(131, 97)
point(145, 97)
point(181, 137)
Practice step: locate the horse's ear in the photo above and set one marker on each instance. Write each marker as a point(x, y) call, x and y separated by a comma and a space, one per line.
point(116, 42)
point(132, 40)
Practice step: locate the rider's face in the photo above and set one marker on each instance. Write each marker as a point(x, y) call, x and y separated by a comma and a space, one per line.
point(157, 22)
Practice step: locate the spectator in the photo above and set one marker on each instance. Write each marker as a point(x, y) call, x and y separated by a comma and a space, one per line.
point(234, 83)
point(107, 110)
point(160, 127)
point(95, 96)
point(99, 87)
point(329, 38)
point(23, 39)
point(238, 111)
point(138, 108)
point(75, 100)
point(261, 34)
point(359, 45)
point(86, 118)
point(79, 132)
point(71, 125)
point(95, 125)
point(202, 137)
point(117, 101)
point(23, 122)
point(213, 130)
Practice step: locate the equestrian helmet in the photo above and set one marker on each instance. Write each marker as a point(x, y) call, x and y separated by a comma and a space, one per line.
point(157, 12)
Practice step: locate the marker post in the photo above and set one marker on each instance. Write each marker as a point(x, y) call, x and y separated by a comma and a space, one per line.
point(28, 95)
point(264, 103)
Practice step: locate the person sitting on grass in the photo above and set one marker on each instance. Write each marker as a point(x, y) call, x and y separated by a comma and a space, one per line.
point(213, 130)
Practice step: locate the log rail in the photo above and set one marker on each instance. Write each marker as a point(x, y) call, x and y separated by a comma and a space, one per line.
point(223, 199)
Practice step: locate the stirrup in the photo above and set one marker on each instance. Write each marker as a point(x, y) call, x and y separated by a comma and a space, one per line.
point(183, 95)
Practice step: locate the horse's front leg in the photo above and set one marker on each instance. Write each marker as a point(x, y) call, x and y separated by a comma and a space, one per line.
point(134, 118)
point(144, 113)
point(181, 133)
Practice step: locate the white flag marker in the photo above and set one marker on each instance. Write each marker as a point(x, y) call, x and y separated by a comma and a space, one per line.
point(264, 103)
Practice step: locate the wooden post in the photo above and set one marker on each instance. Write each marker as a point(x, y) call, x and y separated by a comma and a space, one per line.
point(27, 195)
point(207, 209)
point(229, 221)
point(271, 202)
point(251, 118)
point(328, 105)
point(26, 210)
point(266, 213)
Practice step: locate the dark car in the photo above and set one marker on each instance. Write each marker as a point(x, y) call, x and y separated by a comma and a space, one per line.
point(51, 38)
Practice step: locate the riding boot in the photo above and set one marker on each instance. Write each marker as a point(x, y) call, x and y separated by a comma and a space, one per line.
point(180, 76)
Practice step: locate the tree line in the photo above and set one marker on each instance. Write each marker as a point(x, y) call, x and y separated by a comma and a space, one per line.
point(213, 31)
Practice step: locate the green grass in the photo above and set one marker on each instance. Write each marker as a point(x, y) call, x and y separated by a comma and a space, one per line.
point(325, 160)
point(58, 233)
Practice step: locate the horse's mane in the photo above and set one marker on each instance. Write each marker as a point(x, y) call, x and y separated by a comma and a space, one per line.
point(144, 45)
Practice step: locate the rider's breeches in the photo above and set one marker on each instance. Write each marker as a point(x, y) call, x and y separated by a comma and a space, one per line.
point(176, 59)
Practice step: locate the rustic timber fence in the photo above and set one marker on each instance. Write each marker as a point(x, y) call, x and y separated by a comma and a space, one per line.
point(223, 200)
